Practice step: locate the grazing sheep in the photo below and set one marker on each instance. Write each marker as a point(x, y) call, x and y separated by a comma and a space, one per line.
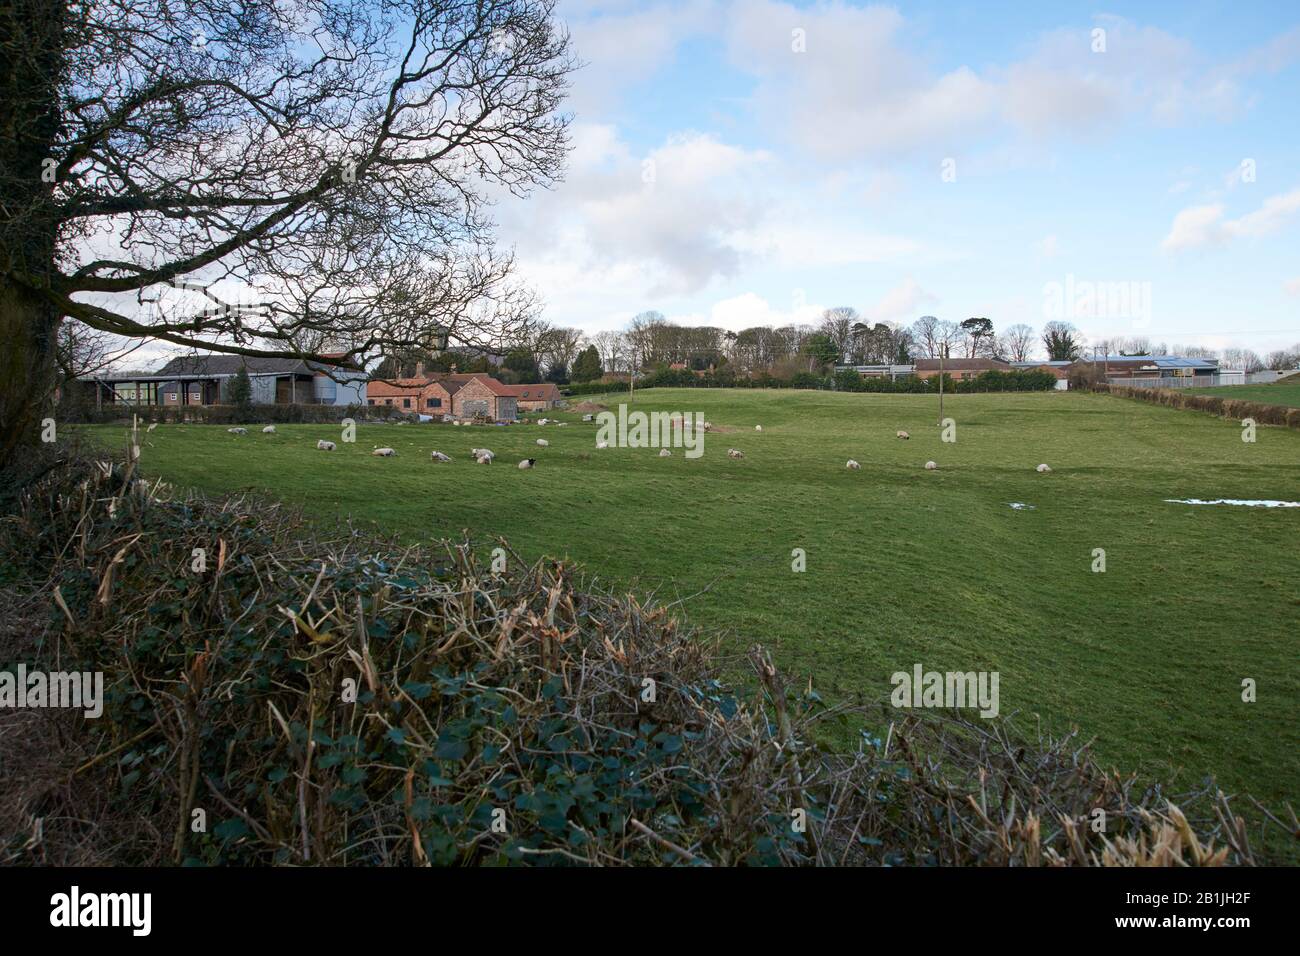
point(268, 430)
point(383, 453)
point(237, 431)
point(482, 453)
point(588, 418)
point(735, 453)
point(484, 459)
point(665, 453)
point(904, 435)
point(930, 466)
point(601, 445)
point(528, 463)
point(852, 465)
point(323, 445)
point(152, 427)
point(1044, 470)
point(543, 442)
point(438, 456)
point(758, 428)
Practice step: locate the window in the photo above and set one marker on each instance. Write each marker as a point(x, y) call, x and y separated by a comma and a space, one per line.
point(370, 401)
point(433, 403)
point(388, 401)
point(406, 403)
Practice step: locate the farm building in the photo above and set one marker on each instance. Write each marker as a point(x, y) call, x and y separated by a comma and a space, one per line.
point(205, 380)
point(535, 398)
point(456, 395)
point(959, 368)
point(1156, 371)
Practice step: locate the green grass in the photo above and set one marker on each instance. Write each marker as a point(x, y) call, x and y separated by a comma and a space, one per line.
point(903, 565)
point(1285, 392)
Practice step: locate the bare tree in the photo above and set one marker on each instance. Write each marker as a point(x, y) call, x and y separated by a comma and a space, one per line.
point(1018, 342)
point(306, 167)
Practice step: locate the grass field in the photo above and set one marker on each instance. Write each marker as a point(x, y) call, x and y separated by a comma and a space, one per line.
point(1286, 392)
point(904, 566)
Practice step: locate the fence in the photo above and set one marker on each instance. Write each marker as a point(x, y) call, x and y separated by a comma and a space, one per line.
point(1189, 381)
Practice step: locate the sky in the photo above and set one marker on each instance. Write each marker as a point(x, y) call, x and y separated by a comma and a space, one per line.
point(746, 162)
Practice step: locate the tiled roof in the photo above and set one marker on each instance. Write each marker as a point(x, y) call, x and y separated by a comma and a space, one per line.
point(539, 392)
point(230, 364)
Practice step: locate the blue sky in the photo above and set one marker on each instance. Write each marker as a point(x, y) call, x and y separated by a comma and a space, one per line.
point(742, 162)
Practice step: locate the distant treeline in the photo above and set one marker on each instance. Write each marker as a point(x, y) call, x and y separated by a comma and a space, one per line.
point(845, 380)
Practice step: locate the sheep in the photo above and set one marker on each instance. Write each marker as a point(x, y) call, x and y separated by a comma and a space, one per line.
point(708, 426)
point(438, 456)
point(665, 453)
point(383, 453)
point(601, 445)
point(237, 431)
point(323, 445)
point(484, 459)
point(930, 466)
point(482, 453)
point(268, 430)
point(152, 426)
point(904, 435)
point(527, 463)
point(758, 428)
point(588, 418)
point(543, 443)
point(1044, 470)
point(852, 465)
point(735, 453)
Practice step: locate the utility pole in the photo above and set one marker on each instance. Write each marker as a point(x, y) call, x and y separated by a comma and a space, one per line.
point(943, 354)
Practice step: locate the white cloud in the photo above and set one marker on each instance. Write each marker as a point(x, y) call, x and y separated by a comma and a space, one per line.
point(903, 303)
point(1204, 225)
point(1049, 247)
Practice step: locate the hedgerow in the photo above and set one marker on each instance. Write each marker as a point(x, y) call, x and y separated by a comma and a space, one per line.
point(279, 694)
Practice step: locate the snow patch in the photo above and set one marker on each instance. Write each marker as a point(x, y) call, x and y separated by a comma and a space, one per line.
point(1244, 502)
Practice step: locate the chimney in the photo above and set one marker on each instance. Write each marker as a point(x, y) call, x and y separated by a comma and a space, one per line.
point(419, 370)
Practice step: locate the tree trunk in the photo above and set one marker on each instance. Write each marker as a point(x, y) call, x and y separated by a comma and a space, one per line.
point(27, 367)
point(32, 63)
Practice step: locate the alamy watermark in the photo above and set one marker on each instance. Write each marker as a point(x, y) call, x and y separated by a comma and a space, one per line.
point(960, 689)
point(77, 690)
point(651, 430)
point(1085, 299)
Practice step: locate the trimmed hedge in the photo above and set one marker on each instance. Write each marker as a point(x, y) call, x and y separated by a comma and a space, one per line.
point(1216, 405)
point(227, 414)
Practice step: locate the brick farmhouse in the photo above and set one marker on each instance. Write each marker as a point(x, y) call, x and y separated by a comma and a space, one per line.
point(455, 395)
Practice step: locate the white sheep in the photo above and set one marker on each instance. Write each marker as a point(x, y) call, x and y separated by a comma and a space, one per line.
point(237, 431)
point(528, 463)
point(484, 459)
point(268, 430)
point(438, 456)
point(152, 427)
point(588, 418)
point(324, 445)
point(383, 452)
point(930, 466)
point(852, 465)
point(544, 443)
point(758, 428)
point(482, 453)
point(601, 445)
point(904, 435)
point(735, 453)
point(665, 453)
point(1044, 470)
